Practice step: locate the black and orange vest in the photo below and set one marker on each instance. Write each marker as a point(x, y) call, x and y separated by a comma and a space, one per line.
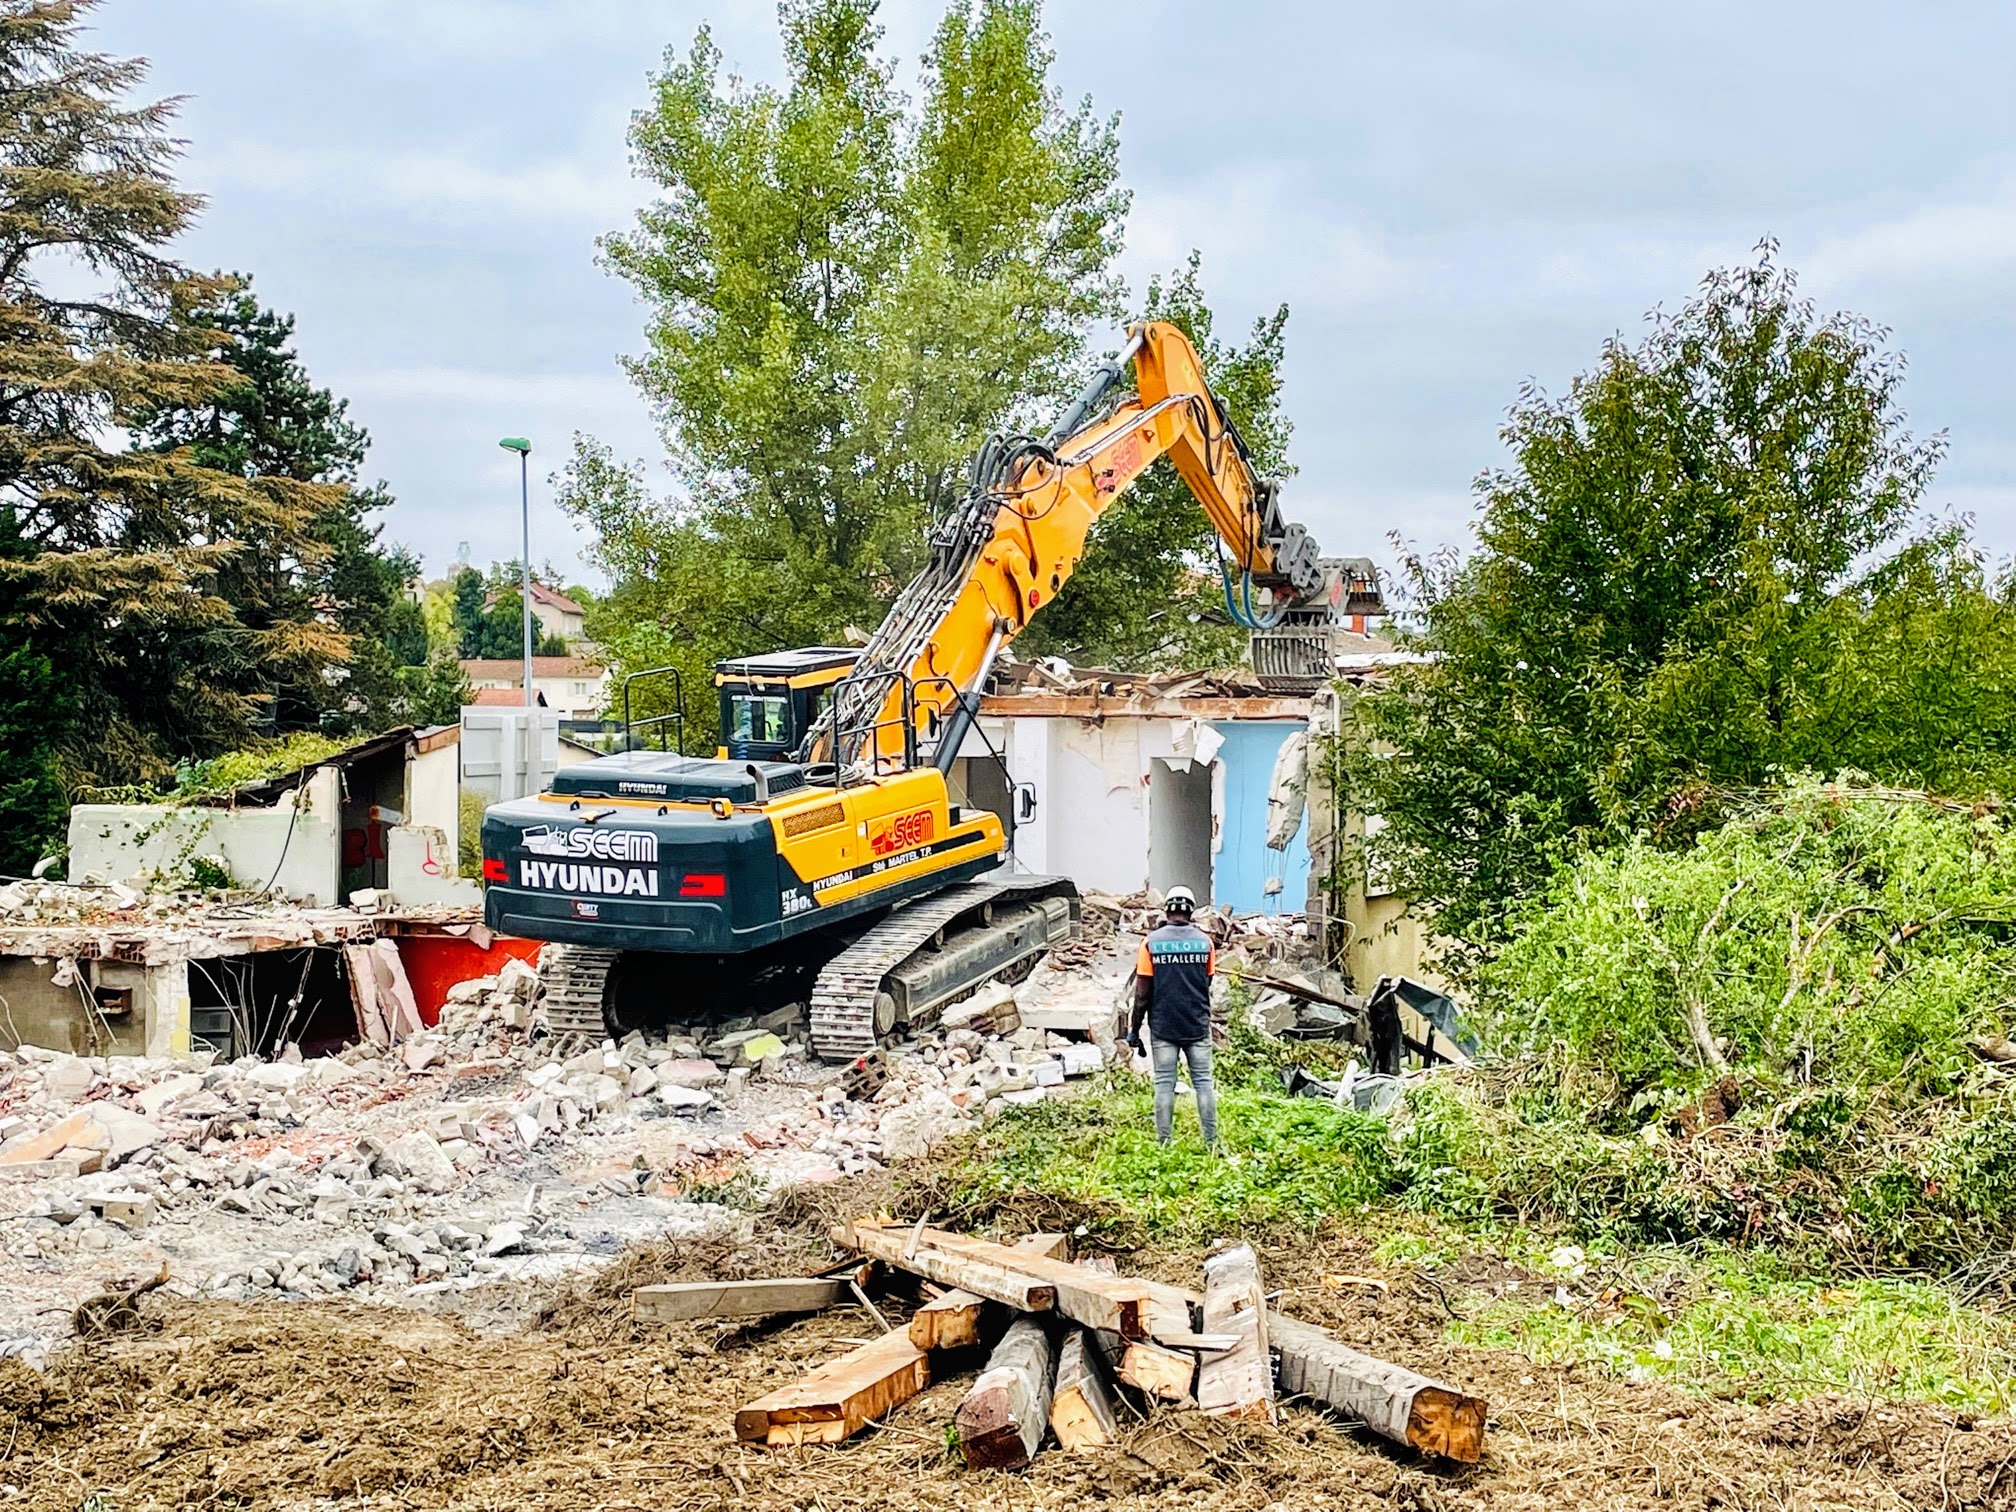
point(1179, 958)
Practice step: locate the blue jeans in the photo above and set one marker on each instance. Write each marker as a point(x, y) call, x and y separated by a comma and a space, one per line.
point(1199, 1057)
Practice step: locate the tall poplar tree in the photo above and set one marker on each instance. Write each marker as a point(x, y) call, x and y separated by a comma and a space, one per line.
point(847, 294)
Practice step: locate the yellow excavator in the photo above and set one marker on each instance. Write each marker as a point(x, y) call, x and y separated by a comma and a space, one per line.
point(819, 857)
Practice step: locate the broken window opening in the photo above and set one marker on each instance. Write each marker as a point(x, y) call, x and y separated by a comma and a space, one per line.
point(256, 1004)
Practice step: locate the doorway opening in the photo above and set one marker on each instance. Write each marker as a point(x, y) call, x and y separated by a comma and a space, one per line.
point(1179, 827)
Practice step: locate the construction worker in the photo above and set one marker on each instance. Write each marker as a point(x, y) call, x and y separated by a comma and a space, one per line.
point(1172, 992)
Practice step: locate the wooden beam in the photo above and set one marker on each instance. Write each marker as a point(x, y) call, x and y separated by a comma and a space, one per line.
point(1131, 1308)
point(1120, 704)
point(1081, 1404)
point(832, 1402)
point(1165, 1373)
point(1001, 1421)
point(952, 1321)
point(1394, 1402)
point(1239, 1382)
point(991, 1280)
point(734, 1299)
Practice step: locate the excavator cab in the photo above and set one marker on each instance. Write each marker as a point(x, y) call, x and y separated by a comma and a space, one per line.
point(768, 703)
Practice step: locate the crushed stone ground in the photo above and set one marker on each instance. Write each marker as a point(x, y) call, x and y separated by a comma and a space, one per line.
point(325, 1404)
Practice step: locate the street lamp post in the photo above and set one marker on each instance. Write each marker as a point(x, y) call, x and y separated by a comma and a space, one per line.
point(523, 447)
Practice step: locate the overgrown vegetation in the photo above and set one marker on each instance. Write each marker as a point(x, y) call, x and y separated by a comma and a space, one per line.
point(234, 769)
point(1704, 566)
point(1780, 1037)
point(1282, 1161)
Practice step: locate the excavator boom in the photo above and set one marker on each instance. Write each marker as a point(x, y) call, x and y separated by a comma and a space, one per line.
point(1014, 540)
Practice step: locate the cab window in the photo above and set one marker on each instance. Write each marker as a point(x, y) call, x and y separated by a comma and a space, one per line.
point(760, 720)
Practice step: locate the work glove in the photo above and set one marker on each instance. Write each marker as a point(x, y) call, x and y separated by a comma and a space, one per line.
point(1134, 1041)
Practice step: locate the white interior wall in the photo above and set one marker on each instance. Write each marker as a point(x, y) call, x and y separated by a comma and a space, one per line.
point(433, 787)
point(1098, 813)
point(420, 868)
point(1095, 805)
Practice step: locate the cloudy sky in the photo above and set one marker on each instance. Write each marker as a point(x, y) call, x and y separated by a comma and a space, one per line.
point(1452, 197)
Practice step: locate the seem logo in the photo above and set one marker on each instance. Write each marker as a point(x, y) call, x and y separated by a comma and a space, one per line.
point(903, 832)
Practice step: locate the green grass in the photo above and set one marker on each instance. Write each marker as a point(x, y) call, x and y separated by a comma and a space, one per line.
point(1281, 1160)
point(1733, 1322)
point(1729, 1325)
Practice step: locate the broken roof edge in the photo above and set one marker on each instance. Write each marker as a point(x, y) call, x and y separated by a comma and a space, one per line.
point(269, 790)
point(223, 929)
point(1275, 707)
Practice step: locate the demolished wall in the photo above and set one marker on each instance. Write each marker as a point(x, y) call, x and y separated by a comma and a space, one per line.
point(117, 842)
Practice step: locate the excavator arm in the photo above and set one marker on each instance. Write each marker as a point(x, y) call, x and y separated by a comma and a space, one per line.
point(1015, 537)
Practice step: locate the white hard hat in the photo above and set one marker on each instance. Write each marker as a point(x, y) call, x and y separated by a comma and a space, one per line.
point(1180, 900)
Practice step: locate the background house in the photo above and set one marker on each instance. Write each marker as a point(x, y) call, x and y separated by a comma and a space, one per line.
point(574, 685)
point(556, 613)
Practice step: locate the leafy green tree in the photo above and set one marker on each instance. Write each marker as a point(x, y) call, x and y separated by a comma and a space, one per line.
point(276, 423)
point(1698, 571)
point(468, 611)
point(489, 615)
point(136, 570)
point(846, 298)
point(437, 692)
point(1149, 592)
point(501, 632)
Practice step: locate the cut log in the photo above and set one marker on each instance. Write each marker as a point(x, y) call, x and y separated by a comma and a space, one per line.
point(828, 1404)
point(1165, 1373)
point(1394, 1402)
point(952, 1321)
point(734, 1299)
point(1240, 1381)
point(1001, 1421)
point(988, 1279)
point(1130, 1308)
point(1081, 1405)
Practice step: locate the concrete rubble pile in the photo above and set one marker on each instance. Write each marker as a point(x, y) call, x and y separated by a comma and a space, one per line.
point(479, 1148)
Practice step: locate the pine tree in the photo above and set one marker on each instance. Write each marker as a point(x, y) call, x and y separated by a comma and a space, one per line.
point(137, 570)
point(276, 423)
point(31, 799)
point(469, 595)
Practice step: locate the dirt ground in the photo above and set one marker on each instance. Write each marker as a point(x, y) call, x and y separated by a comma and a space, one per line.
point(314, 1405)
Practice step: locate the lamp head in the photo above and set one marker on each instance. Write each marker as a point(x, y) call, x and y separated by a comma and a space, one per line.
point(516, 443)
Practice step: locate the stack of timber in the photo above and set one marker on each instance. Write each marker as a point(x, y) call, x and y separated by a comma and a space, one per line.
point(1217, 1349)
point(1076, 1349)
point(951, 1320)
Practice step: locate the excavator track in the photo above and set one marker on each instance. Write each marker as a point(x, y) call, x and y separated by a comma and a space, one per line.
point(576, 978)
point(845, 997)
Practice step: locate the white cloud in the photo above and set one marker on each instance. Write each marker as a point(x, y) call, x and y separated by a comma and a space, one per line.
point(432, 183)
point(1961, 238)
point(473, 387)
point(1269, 229)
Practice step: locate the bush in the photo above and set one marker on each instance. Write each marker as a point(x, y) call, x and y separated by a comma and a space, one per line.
point(1837, 937)
point(469, 833)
